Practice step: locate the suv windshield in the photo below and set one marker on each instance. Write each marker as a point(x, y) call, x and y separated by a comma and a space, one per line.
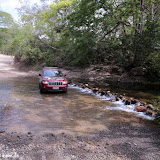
point(53, 73)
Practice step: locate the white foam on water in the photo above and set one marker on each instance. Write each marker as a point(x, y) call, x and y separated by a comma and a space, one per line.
point(84, 90)
point(89, 91)
point(103, 97)
point(119, 105)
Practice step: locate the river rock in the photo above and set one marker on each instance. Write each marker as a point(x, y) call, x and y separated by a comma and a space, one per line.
point(127, 102)
point(118, 99)
point(121, 97)
point(103, 93)
point(150, 113)
point(149, 106)
point(100, 90)
point(108, 94)
point(90, 87)
point(95, 90)
point(83, 86)
point(86, 85)
point(143, 103)
point(134, 101)
point(141, 109)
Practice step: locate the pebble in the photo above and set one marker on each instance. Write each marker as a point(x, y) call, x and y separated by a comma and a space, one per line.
point(19, 137)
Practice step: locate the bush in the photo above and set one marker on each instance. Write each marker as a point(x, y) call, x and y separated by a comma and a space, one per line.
point(153, 66)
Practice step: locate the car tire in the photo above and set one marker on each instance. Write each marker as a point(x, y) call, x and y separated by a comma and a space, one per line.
point(40, 89)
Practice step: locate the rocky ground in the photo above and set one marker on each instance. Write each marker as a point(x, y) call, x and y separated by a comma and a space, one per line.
point(123, 140)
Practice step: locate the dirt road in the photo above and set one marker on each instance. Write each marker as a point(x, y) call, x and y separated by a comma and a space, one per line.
point(81, 130)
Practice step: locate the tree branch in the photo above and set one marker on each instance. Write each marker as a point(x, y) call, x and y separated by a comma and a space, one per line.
point(130, 25)
point(118, 23)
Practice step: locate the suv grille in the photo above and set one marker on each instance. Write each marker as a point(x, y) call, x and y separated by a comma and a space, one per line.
point(55, 83)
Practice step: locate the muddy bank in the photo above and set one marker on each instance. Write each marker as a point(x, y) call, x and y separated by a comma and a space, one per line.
point(111, 77)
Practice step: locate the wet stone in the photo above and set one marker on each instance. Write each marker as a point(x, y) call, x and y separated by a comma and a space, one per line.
point(134, 101)
point(150, 113)
point(141, 109)
point(149, 106)
point(143, 103)
point(118, 99)
point(121, 97)
point(127, 102)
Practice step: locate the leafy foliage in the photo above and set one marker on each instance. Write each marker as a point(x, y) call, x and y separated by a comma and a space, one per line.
point(5, 19)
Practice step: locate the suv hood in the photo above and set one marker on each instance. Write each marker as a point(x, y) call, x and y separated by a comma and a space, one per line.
point(54, 78)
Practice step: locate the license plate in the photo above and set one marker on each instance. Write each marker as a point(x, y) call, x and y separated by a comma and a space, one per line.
point(55, 87)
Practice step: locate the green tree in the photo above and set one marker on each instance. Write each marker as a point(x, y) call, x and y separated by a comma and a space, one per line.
point(6, 23)
point(6, 19)
point(80, 32)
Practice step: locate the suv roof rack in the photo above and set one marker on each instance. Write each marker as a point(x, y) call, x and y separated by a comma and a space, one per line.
point(51, 67)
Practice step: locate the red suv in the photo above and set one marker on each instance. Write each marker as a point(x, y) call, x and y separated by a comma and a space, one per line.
point(52, 79)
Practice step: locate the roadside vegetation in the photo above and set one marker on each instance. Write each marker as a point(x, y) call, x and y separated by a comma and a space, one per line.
point(80, 33)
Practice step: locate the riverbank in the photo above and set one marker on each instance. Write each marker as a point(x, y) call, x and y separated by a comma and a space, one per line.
point(111, 76)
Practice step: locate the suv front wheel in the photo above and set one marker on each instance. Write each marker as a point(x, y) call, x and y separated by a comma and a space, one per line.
point(40, 89)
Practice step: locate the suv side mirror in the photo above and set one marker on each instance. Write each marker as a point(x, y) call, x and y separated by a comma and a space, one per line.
point(40, 75)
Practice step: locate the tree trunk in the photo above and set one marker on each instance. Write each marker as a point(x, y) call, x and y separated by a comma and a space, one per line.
point(152, 12)
point(140, 27)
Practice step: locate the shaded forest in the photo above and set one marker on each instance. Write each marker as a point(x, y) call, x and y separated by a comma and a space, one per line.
point(79, 33)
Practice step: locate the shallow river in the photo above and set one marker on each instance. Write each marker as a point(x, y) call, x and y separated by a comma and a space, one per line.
point(77, 112)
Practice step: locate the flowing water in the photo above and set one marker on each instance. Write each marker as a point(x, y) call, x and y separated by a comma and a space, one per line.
point(77, 112)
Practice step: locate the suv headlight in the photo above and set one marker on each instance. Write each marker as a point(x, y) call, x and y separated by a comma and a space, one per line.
point(65, 82)
point(45, 82)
